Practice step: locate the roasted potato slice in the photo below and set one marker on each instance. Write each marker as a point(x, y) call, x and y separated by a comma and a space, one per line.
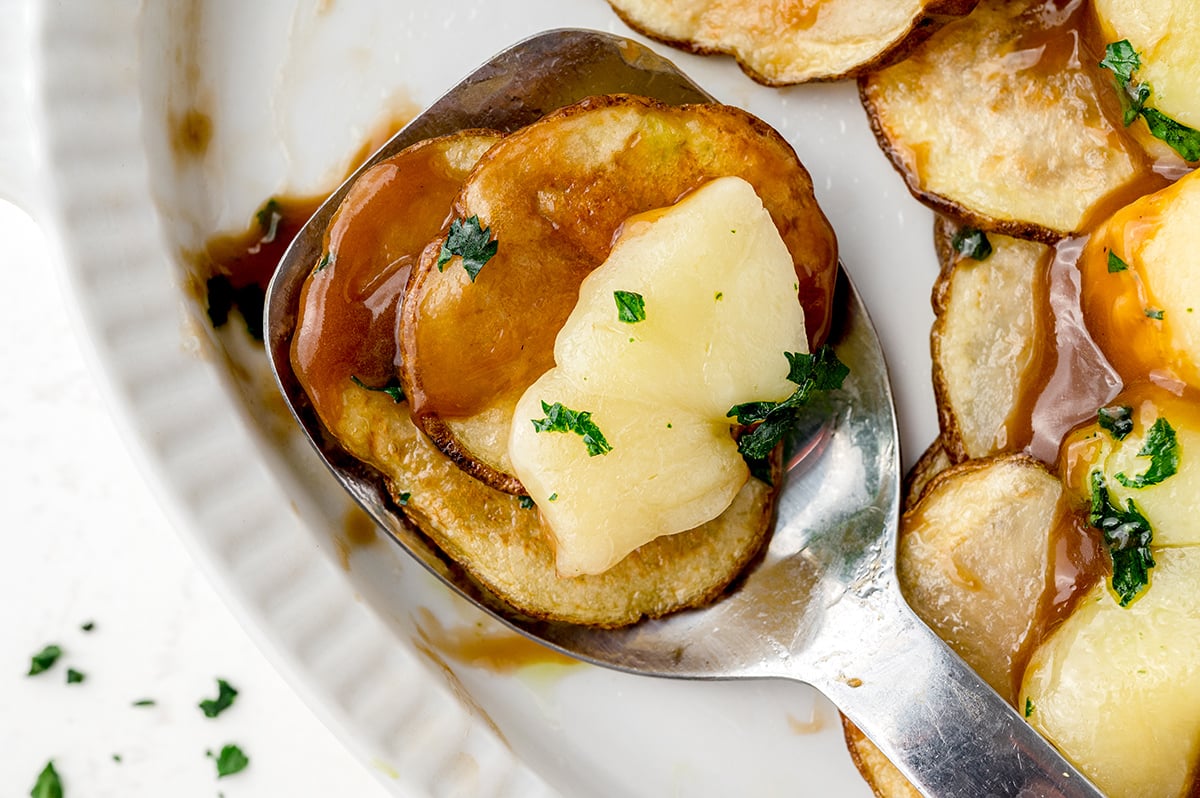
point(502, 544)
point(781, 42)
point(551, 196)
point(984, 340)
point(997, 119)
point(975, 562)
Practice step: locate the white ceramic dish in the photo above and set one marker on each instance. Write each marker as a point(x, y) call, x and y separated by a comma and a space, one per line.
point(383, 654)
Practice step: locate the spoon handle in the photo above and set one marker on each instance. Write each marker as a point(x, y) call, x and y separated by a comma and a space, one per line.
point(934, 718)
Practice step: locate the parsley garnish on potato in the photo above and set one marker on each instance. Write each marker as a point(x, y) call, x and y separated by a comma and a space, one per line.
point(472, 242)
point(631, 307)
point(1122, 60)
point(820, 371)
point(563, 419)
point(226, 693)
point(1162, 447)
point(392, 388)
point(1117, 420)
point(971, 242)
point(1127, 534)
point(1115, 264)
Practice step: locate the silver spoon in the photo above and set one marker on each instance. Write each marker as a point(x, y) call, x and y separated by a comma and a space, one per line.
point(822, 605)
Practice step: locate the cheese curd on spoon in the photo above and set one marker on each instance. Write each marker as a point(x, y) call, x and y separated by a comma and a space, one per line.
point(627, 438)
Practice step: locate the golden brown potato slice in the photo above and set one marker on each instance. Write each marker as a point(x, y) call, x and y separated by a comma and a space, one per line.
point(552, 195)
point(502, 544)
point(975, 563)
point(984, 340)
point(780, 42)
point(933, 462)
point(996, 119)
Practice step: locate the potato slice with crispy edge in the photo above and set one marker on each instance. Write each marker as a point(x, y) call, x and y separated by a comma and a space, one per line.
point(983, 340)
point(997, 119)
point(502, 544)
point(975, 563)
point(782, 42)
point(552, 195)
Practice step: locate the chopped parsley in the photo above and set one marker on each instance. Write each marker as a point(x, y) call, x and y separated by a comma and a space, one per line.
point(820, 371)
point(268, 217)
point(1117, 420)
point(553, 497)
point(327, 260)
point(145, 702)
point(525, 502)
point(1122, 60)
point(74, 676)
point(562, 419)
point(88, 626)
point(1127, 535)
point(1162, 448)
point(44, 660)
point(403, 498)
point(631, 307)
point(470, 241)
point(1154, 313)
point(231, 760)
point(719, 296)
point(971, 242)
point(226, 693)
point(1115, 264)
point(392, 388)
point(48, 784)
point(1028, 707)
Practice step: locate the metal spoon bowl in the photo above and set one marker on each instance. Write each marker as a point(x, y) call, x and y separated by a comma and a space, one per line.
point(822, 605)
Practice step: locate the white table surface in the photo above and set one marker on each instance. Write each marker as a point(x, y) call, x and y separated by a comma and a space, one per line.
point(86, 541)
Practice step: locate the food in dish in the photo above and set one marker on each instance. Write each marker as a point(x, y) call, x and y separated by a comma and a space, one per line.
point(499, 233)
point(1073, 341)
point(781, 42)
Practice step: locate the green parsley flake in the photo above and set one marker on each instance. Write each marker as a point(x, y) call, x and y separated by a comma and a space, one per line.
point(392, 388)
point(88, 626)
point(1162, 448)
point(1154, 313)
point(1117, 420)
point(562, 419)
point(44, 660)
point(470, 241)
point(525, 502)
point(971, 242)
point(269, 216)
point(1127, 534)
point(1122, 60)
point(553, 497)
point(631, 307)
point(1028, 707)
point(48, 784)
point(116, 758)
point(145, 702)
point(1115, 264)
point(327, 260)
point(403, 498)
point(231, 760)
point(74, 676)
point(719, 296)
point(226, 693)
point(821, 371)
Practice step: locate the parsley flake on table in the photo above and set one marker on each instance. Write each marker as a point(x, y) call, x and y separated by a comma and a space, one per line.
point(563, 419)
point(971, 242)
point(1127, 534)
point(631, 306)
point(472, 242)
point(392, 388)
point(88, 626)
point(74, 676)
point(1123, 60)
point(226, 693)
point(144, 702)
point(1162, 447)
point(231, 760)
point(44, 660)
point(820, 371)
point(48, 784)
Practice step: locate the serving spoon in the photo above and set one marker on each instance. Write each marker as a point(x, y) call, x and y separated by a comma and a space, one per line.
point(822, 605)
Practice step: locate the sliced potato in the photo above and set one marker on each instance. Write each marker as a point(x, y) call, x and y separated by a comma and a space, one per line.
point(780, 42)
point(553, 195)
point(974, 561)
point(995, 119)
point(504, 546)
point(1117, 689)
point(931, 463)
point(1141, 287)
point(983, 342)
